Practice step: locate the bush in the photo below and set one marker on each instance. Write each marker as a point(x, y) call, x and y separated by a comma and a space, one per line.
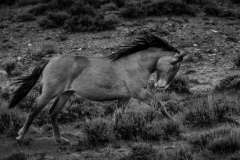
point(88, 23)
point(53, 20)
point(213, 10)
point(10, 120)
point(145, 124)
point(17, 156)
point(78, 108)
point(119, 3)
point(98, 131)
point(229, 83)
point(237, 61)
point(94, 3)
point(169, 7)
point(235, 1)
point(133, 10)
point(10, 65)
point(141, 151)
point(5, 93)
point(60, 5)
point(26, 17)
point(200, 2)
point(49, 47)
point(225, 145)
point(39, 9)
point(27, 2)
point(109, 7)
point(179, 85)
point(207, 114)
point(80, 9)
point(8, 2)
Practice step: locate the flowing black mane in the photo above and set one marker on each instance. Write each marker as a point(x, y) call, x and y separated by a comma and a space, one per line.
point(140, 44)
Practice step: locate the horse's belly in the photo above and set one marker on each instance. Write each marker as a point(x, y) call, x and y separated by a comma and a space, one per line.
point(102, 94)
point(103, 91)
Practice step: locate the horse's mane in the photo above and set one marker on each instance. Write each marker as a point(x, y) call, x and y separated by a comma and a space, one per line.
point(140, 44)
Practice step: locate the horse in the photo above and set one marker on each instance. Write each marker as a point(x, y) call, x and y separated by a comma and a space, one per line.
point(119, 76)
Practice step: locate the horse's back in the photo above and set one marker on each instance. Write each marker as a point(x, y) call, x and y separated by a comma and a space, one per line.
point(93, 78)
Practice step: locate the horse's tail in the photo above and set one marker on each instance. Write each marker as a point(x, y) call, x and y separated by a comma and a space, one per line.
point(27, 83)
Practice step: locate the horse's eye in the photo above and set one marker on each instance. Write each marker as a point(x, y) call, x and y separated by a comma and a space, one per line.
point(174, 67)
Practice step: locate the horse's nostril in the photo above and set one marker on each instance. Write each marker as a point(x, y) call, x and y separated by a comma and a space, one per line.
point(160, 88)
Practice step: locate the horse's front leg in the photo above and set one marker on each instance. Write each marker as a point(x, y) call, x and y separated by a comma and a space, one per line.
point(121, 106)
point(147, 98)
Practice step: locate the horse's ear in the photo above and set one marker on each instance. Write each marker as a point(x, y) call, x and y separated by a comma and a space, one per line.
point(178, 57)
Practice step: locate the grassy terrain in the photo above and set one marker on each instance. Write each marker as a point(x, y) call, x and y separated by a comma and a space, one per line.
point(203, 98)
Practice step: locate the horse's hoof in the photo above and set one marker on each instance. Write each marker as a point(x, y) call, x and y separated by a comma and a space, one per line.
point(62, 141)
point(19, 140)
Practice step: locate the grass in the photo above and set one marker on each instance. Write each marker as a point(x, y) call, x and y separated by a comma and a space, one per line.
point(179, 85)
point(9, 65)
point(142, 151)
point(98, 131)
point(229, 83)
point(25, 17)
point(211, 110)
point(10, 120)
point(219, 142)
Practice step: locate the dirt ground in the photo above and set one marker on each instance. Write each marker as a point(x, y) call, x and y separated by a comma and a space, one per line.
point(213, 44)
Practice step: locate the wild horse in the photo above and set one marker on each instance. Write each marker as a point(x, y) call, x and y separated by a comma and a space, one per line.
point(119, 76)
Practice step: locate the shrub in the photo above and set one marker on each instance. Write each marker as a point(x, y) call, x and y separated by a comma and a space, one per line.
point(133, 10)
point(54, 20)
point(200, 2)
point(235, 1)
point(173, 107)
point(10, 120)
point(88, 23)
point(94, 3)
point(48, 47)
point(145, 124)
point(112, 19)
point(79, 9)
point(119, 3)
point(63, 37)
point(39, 9)
point(109, 7)
point(237, 61)
point(213, 10)
point(9, 65)
point(229, 83)
point(206, 114)
point(60, 5)
point(5, 93)
point(17, 156)
point(142, 151)
point(225, 145)
point(27, 2)
point(98, 131)
point(78, 108)
point(8, 2)
point(44, 22)
point(179, 85)
point(25, 17)
point(169, 7)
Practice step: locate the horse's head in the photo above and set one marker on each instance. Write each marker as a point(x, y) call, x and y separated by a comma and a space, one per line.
point(167, 68)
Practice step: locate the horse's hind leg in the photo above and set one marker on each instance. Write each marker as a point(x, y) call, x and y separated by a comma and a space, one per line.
point(54, 111)
point(41, 102)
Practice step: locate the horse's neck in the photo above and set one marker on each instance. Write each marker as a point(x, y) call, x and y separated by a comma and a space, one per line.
point(144, 62)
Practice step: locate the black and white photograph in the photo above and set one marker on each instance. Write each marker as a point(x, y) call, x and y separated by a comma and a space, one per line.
point(119, 79)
